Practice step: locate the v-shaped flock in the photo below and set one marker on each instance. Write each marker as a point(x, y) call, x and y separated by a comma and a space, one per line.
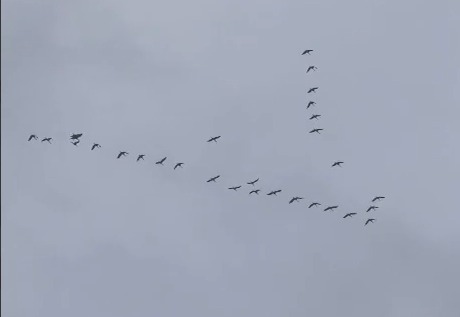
point(75, 140)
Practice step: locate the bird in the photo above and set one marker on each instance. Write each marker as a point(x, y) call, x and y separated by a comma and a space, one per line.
point(32, 136)
point(47, 139)
point(253, 182)
point(178, 165)
point(371, 208)
point(95, 145)
point(312, 68)
point(214, 139)
point(295, 199)
point(311, 103)
point(331, 208)
point(255, 191)
point(338, 163)
point(307, 52)
point(75, 136)
point(274, 192)
point(76, 142)
point(371, 220)
point(234, 187)
point(316, 130)
point(349, 215)
point(314, 204)
point(377, 198)
point(160, 162)
point(213, 179)
point(140, 157)
point(122, 153)
point(315, 116)
point(312, 90)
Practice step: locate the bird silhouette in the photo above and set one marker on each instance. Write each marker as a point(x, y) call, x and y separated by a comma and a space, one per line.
point(47, 139)
point(371, 208)
point(311, 103)
point(76, 142)
point(312, 90)
point(274, 192)
point(234, 187)
point(140, 157)
point(349, 215)
point(307, 52)
point(255, 191)
point(315, 116)
point(312, 68)
point(338, 163)
point(314, 204)
point(213, 179)
point(160, 162)
point(32, 136)
point(253, 182)
point(76, 136)
point(295, 199)
point(122, 153)
point(214, 139)
point(377, 198)
point(316, 130)
point(371, 220)
point(331, 208)
point(178, 165)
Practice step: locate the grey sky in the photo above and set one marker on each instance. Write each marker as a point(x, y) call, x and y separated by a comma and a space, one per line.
point(86, 234)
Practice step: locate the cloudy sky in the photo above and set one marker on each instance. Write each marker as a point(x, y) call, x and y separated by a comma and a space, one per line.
point(85, 234)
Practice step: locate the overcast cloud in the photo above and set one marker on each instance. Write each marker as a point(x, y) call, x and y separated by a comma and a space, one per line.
point(85, 234)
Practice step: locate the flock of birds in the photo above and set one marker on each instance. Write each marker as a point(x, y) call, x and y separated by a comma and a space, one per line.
point(75, 140)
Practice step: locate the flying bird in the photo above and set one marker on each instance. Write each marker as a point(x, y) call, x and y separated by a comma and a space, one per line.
point(160, 162)
point(312, 68)
point(32, 136)
point(369, 220)
point(76, 142)
point(371, 208)
point(178, 165)
point(140, 157)
point(295, 199)
point(47, 139)
point(349, 215)
point(312, 90)
point(311, 103)
point(213, 179)
point(314, 204)
point(337, 164)
point(253, 182)
point(307, 52)
point(274, 192)
point(214, 139)
point(122, 153)
point(95, 145)
point(331, 208)
point(377, 198)
point(315, 116)
point(316, 130)
point(234, 188)
point(255, 191)
point(75, 136)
